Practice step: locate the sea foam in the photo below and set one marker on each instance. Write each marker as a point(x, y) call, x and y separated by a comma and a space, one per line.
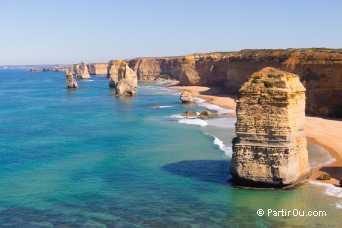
point(329, 189)
point(213, 107)
point(226, 149)
point(193, 121)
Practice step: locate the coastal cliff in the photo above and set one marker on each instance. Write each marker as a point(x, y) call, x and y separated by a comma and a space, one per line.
point(320, 70)
point(270, 147)
point(98, 68)
point(150, 69)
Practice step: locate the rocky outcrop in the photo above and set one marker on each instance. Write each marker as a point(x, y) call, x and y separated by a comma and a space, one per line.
point(80, 70)
point(71, 82)
point(186, 97)
point(98, 68)
point(122, 78)
point(320, 70)
point(270, 147)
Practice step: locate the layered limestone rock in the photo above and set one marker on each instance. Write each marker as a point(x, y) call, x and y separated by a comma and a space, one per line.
point(71, 82)
point(319, 69)
point(122, 78)
point(186, 96)
point(150, 69)
point(80, 70)
point(98, 68)
point(270, 147)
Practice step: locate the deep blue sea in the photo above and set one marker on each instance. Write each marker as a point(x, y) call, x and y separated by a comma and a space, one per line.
point(87, 158)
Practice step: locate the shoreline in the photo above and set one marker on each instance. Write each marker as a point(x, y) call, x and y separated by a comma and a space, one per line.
point(326, 133)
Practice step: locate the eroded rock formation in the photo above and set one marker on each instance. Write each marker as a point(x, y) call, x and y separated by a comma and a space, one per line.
point(150, 69)
point(98, 68)
point(270, 147)
point(122, 78)
point(80, 70)
point(320, 70)
point(71, 82)
point(186, 96)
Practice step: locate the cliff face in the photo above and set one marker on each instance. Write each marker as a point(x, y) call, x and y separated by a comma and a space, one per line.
point(270, 147)
point(98, 68)
point(149, 69)
point(80, 70)
point(320, 70)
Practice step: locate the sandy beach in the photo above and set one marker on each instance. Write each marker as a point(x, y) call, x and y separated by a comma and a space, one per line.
point(325, 132)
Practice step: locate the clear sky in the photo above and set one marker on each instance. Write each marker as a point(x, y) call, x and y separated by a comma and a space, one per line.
point(68, 31)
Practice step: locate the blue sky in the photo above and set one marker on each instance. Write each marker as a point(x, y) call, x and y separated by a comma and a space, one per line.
point(68, 31)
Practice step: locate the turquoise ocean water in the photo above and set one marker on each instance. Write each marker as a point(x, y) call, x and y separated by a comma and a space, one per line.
point(87, 158)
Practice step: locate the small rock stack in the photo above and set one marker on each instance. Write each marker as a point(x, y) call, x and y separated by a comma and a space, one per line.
point(186, 97)
point(71, 82)
point(270, 147)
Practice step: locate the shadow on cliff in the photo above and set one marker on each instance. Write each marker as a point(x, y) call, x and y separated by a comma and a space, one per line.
point(214, 171)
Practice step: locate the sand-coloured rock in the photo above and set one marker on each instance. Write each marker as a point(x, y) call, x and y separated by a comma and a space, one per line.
point(186, 96)
point(270, 147)
point(122, 78)
point(80, 70)
point(71, 82)
point(319, 69)
point(98, 68)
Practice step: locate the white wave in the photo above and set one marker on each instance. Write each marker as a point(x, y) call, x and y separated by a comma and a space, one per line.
point(176, 94)
point(176, 116)
point(329, 189)
point(226, 149)
point(165, 106)
point(194, 121)
point(339, 205)
point(222, 122)
point(87, 80)
point(213, 107)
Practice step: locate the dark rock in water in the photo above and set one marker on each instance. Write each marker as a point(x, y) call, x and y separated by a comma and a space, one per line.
point(205, 114)
point(341, 183)
point(71, 82)
point(154, 106)
point(189, 114)
point(186, 97)
point(324, 176)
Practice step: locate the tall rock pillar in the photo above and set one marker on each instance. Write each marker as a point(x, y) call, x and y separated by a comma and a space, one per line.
point(270, 147)
point(122, 78)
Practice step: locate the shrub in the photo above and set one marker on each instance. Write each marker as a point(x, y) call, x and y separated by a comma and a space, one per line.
point(255, 80)
point(256, 76)
point(280, 84)
point(270, 75)
point(268, 84)
point(324, 176)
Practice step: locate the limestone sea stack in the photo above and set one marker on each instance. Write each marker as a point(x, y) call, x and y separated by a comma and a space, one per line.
point(122, 78)
point(186, 97)
point(71, 82)
point(270, 147)
point(80, 70)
